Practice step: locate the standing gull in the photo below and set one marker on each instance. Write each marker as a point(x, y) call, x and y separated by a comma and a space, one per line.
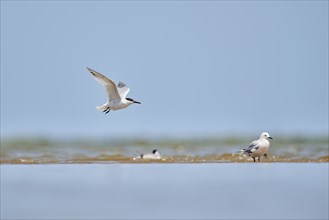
point(116, 93)
point(259, 147)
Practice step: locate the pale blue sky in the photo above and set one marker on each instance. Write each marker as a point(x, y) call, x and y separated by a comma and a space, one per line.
point(198, 67)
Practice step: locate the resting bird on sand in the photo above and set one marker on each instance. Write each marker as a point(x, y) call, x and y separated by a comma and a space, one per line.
point(155, 155)
point(259, 147)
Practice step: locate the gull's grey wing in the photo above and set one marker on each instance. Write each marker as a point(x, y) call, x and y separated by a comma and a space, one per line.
point(123, 90)
point(252, 147)
point(110, 86)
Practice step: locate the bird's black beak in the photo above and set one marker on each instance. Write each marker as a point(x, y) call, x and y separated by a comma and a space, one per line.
point(137, 102)
point(270, 138)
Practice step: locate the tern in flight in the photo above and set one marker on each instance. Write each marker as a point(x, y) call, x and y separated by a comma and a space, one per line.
point(116, 93)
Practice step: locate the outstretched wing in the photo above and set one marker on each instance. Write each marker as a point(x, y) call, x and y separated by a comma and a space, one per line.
point(123, 90)
point(110, 86)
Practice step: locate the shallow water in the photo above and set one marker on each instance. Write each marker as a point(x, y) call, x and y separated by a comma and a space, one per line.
point(188, 150)
point(165, 191)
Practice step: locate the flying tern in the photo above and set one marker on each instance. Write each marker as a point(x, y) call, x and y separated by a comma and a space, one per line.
point(116, 93)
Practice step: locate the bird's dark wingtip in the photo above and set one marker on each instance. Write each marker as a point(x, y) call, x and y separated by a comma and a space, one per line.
point(91, 71)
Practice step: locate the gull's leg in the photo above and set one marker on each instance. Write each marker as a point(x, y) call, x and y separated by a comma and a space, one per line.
point(265, 155)
point(254, 159)
point(259, 159)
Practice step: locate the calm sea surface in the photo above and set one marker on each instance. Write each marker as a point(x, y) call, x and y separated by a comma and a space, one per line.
point(165, 191)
